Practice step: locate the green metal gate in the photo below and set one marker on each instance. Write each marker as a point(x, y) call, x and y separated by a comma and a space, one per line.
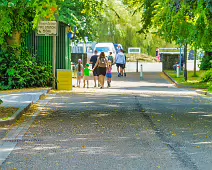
point(41, 47)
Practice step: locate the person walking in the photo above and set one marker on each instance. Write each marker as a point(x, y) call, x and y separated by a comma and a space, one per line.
point(93, 61)
point(120, 61)
point(86, 75)
point(118, 50)
point(124, 66)
point(109, 73)
point(79, 68)
point(110, 57)
point(102, 66)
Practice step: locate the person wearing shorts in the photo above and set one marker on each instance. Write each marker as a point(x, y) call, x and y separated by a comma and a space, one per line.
point(109, 73)
point(86, 75)
point(102, 66)
point(120, 62)
point(93, 61)
point(80, 69)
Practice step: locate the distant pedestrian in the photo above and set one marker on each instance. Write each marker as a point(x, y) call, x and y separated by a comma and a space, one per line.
point(102, 66)
point(124, 66)
point(109, 73)
point(93, 61)
point(120, 61)
point(110, 57)
point(86, 75)
point(119, 48)
point(79, 68)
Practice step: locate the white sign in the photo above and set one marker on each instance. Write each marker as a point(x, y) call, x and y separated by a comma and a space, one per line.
point(134, 50)
point(47, 28)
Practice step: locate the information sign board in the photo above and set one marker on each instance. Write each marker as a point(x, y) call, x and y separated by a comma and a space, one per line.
point(134, 50)
point(47, 28)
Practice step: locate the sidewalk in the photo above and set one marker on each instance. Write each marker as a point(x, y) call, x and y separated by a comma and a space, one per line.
point(21, 99)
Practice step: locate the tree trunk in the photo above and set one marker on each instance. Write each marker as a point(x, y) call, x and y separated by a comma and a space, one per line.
point(15, 42)
point(185, 58)
point(195, 62)
point(15, 39)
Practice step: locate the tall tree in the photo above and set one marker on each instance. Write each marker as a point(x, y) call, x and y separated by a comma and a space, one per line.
point(18, 15)
point(119, 25)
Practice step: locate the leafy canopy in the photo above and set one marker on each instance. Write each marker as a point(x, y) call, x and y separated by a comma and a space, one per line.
point(183, 22)
point(21, 15)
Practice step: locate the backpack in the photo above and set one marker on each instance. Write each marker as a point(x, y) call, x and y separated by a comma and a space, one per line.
point(102, 62)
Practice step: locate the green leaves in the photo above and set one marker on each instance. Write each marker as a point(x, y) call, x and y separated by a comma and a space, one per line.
point(23, 71)
point(183, 22)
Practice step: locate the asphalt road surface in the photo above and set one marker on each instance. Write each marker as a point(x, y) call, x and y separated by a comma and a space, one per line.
point(135, 125)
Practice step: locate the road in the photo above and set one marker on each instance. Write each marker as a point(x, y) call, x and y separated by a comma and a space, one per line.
point(136, 125)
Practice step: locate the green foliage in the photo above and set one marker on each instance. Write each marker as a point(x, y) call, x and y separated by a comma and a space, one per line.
point(210, 87)
point(15, 15)
point(1, 101)
point(183, 22)
point(119, 25)
point(206, 63)
point(207, 77)
point(23, 71)
point(81, 13)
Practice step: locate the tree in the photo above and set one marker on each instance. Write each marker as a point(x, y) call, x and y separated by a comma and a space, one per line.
point(119, 25)
point(182, 22)
point(18, 68)
point(17, 16)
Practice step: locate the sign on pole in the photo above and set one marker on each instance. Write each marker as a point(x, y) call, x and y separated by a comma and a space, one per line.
point(47, 28)
point(134, 50)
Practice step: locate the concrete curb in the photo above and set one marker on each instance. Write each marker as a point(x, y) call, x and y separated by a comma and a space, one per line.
point(173, 81)
point(199, 91)
point(20, 111)
point(204, 93)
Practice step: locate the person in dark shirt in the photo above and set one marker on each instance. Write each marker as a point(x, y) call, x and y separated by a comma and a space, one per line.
point(93, 61)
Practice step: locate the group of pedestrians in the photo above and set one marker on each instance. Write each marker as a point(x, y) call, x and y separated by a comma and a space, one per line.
point(101, 67)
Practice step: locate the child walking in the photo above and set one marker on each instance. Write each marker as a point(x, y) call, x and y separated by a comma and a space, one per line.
point(79, 68)
point(109, 73)
point(86, 75)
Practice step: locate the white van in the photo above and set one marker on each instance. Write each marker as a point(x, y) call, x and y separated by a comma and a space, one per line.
point(106, 48)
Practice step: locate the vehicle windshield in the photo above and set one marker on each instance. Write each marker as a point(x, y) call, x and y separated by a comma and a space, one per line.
point(102, 49)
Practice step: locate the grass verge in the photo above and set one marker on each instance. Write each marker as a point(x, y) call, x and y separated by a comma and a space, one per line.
point(193, 81)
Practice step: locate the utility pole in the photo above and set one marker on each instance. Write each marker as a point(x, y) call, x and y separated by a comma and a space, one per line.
point(185, 58)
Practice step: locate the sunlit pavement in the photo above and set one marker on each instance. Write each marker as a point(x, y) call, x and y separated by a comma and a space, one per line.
point(148, 124)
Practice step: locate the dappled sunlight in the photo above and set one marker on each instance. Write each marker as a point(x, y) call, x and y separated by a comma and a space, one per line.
point(208, 115)
point(98, 115)
point(90, 102)
point(200, 112)
point(46, 148)
point(202, 143)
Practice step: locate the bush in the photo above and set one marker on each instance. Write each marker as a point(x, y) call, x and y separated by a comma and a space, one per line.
point(207, 77)
point(210, 87)
point(1, 101)
point(21, 70)
point(206, 63)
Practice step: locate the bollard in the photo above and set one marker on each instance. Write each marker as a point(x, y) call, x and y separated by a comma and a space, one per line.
point(141, 73)
point(178, 70)
point(137, 66)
